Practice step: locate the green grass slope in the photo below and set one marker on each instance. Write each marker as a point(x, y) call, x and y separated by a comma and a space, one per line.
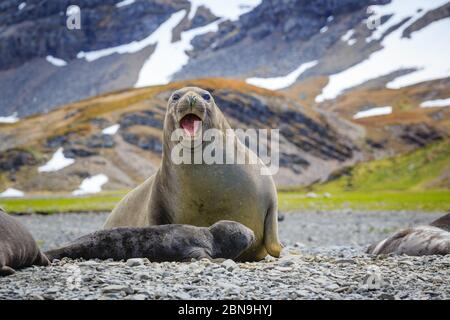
point(421, 170)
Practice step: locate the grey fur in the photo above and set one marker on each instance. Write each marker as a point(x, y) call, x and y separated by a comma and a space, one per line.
point(417, 241)
point(18, 249)
point(175, 242)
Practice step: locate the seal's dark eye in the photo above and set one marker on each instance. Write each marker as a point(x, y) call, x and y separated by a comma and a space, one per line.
point(206, 96)
point(175, 97)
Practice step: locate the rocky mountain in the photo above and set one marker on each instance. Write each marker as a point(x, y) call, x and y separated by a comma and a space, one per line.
point(251, 40)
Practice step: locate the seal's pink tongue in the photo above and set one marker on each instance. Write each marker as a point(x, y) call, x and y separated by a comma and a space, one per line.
point(190, 123)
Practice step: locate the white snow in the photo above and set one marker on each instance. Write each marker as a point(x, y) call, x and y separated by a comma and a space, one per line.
point(10, 119)
point(379, 111)
point(324, 29)
point(112, 130)
point(436, 103)
point(330, 18)
point(162, 33)
point(12, 193)
point(56, 61)
point(347, 37)
point(91, 185)
point(427, 50)
point(277, 83)
point(57, 162)
point(124, 3)
point(22, 6)
point(227, 9)
point(351, 42)
point(157, 70)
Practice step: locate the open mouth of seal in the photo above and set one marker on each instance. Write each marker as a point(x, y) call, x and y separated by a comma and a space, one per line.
point(190, 124)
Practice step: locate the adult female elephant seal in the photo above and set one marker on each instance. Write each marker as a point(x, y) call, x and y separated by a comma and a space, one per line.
point(202, 194)
point(170, 242)
point(17, 246)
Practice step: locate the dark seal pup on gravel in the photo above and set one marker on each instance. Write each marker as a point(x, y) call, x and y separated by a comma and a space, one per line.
point(172, 242)
point(202, 194)
point(17, 246)
point(418, 241)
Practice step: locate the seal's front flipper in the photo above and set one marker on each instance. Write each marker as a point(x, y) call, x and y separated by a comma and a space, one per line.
point(6, 271)
point(42, 260)
point(271, 241)
point(197, 254)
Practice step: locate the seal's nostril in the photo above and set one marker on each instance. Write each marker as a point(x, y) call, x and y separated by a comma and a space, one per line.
point(192, 100)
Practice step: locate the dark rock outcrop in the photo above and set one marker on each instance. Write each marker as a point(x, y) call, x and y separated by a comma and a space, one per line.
point(144, 142)
point(12, 160)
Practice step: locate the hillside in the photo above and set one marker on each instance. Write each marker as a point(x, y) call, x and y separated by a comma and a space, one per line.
point(118, 135)
point(421, 170)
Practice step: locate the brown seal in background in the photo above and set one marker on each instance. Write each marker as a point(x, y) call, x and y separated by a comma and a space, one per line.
point(18, 249)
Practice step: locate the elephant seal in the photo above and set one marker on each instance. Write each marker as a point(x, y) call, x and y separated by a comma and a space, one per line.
point(417, 241)
point(171, 242)
point(17, 246)
point(202, 194)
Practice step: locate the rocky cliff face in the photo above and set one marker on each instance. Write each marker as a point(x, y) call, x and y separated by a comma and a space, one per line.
point(39, 29)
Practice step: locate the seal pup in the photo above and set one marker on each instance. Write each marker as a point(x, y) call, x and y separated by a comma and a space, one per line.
point(202, 194)
point(18, 249)
point(171, 242)
point(417, 241)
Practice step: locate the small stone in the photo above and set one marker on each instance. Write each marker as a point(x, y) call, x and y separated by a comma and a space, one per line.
point(302, 293)
point(117, 288)
point(269, 259)
point(134, 262)
point(88, 263)
point(136, 297)
point(142, 276)
point(52, 290)
point(283, 269)
point(229, 265)
point(182, 296)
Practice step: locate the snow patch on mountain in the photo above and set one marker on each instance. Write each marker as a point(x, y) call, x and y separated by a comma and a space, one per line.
point(169, 57)
point(12, 193)
point(124, 3)
point(112, 130)
point(10, 119)
point(56, 61)
point(436, 103)
point(278, 83)
point(91, 185)
point(162, 34)
point(348, 37)
point(400, 53)
point(379, 111)
point(57, 162)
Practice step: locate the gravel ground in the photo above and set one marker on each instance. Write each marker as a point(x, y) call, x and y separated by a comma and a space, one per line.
point(324, 259)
